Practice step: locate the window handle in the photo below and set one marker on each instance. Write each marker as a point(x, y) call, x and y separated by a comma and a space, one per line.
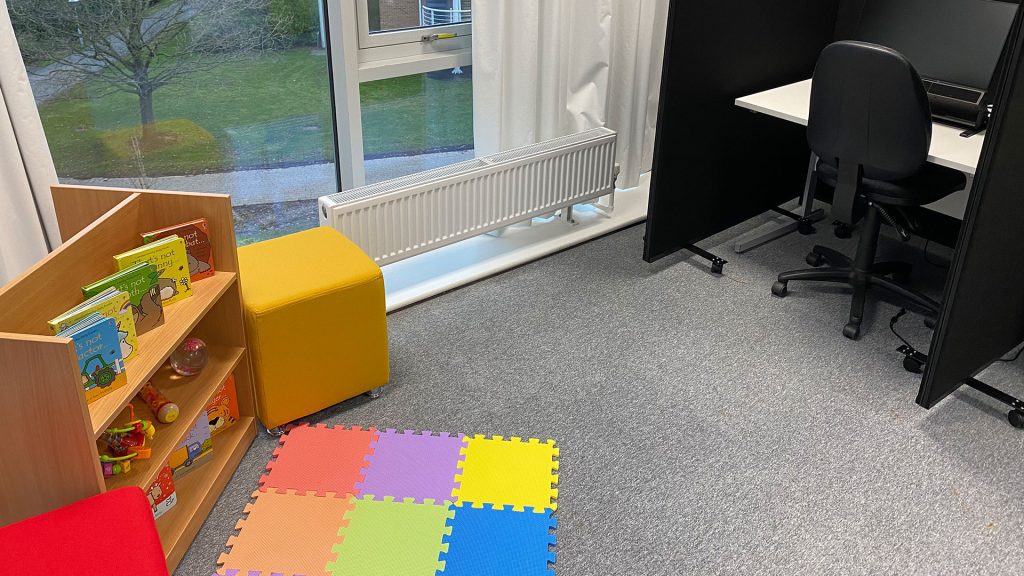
point(433, 37)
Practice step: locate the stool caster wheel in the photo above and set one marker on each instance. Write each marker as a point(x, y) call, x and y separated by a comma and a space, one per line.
point(805, 227)
point(276, 432)
point(843, 230)
point(814, 259)
point(1016, 419)
point(851, 331)
point(780, 289)
point(375, 393)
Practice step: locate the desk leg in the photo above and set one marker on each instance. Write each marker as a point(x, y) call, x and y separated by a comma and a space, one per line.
point(807, 216)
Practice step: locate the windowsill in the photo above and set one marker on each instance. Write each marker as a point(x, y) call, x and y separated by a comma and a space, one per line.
point(427, 275)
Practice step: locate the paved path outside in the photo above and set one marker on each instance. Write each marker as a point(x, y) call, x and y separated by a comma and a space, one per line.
point(273, 185)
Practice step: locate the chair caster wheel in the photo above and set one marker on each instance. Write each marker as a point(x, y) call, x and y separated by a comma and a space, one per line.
point(780, 289)
point(805, 227)
point(843, 231)
point(851, 331)
point(814, 259)
point(1016, 419)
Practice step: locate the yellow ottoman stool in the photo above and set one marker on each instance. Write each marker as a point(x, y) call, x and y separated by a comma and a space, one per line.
point(315, 322)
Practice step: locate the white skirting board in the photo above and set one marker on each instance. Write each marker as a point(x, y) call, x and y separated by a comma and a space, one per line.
point(426, 275)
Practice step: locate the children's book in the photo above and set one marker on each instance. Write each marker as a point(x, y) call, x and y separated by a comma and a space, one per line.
point(169, 257)
point(98, 350)
point(161, 493)
point(222, 410)
point(194, 449)
point(142, 284)
point(112, 303)
point(196, 235)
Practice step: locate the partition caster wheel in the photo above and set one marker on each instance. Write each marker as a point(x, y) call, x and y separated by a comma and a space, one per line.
point(780, 289)
point(1016, 419)
point(913, 365)
point(814, 259)
point(805, 227)
point(851, 331)
point(717, 265)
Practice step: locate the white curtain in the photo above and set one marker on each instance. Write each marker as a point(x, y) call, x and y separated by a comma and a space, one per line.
point(548, 68)
point(28, 227)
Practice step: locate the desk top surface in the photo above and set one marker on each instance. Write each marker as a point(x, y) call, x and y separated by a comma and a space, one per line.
point(793, 101)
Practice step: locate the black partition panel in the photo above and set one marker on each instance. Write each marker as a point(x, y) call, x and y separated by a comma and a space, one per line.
point(717, 165)
point(983, 311)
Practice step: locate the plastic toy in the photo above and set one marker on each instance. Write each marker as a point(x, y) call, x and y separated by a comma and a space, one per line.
point(190, 357)
point(126, 443)
point(165, 410)
point(113, 466)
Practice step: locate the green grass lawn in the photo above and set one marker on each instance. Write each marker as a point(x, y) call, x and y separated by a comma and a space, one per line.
point(268, 110)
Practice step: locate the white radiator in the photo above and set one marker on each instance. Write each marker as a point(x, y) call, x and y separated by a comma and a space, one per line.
point(407, 216)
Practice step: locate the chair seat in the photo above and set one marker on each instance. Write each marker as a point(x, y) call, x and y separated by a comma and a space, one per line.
point(931, 183)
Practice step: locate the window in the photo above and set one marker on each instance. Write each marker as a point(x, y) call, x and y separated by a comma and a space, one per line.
point(390, 22)
point(235, 96)
point(417, 122)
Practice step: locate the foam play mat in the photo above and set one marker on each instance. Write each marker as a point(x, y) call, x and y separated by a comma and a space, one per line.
point(360, 502)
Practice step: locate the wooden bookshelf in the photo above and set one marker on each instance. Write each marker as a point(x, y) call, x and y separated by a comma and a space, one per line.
point(156, 345)
point(51, 454)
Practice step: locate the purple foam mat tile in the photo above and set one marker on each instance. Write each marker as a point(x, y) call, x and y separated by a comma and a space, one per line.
point(413, 465)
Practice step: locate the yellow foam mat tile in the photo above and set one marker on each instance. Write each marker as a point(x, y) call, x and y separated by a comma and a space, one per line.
point(508, 473)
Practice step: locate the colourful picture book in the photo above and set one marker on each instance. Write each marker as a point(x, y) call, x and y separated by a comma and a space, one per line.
point(112, 303)
point(142, 284)
point(222, 409)
point(161, 493)
point(196, 235)
point(194, 449)
point(169, 257)
point(98, 350)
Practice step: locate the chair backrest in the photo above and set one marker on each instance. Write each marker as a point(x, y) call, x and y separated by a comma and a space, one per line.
point(869, 108)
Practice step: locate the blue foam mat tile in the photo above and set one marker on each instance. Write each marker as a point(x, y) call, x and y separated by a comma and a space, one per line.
point(496, 541)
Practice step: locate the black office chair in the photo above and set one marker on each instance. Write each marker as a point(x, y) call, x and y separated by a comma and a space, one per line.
point(871, 127)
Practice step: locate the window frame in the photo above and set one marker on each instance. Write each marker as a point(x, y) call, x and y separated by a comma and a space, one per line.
point(407, 36)
point(352, 63)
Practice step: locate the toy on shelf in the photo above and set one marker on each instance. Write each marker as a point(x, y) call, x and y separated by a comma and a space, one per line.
point(190, 357)
point(126, 443)
point(165, 410)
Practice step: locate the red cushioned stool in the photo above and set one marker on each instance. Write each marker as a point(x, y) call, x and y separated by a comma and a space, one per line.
point(112, 534)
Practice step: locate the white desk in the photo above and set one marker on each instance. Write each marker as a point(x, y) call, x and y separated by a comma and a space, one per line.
point(792, 103)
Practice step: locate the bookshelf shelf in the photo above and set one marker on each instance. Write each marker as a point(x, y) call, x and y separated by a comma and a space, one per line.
point(156, 345)
point(191, 396)
point(51, 453)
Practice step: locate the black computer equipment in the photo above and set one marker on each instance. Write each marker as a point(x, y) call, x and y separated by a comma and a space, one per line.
point(955, 45)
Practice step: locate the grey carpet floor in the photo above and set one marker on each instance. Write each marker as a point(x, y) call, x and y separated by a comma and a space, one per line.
point(705, 426)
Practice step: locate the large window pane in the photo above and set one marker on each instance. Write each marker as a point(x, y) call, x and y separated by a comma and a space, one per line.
point(224, 96)
point(415, 123)
point(386, 15)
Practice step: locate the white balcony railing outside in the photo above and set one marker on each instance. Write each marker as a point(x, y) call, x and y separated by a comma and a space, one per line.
point(441, 16)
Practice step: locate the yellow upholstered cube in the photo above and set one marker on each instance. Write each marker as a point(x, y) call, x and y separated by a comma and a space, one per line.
point(315, 322)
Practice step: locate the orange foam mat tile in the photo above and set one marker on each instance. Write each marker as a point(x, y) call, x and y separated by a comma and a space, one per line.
point(288, 534)
point(320, 460)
